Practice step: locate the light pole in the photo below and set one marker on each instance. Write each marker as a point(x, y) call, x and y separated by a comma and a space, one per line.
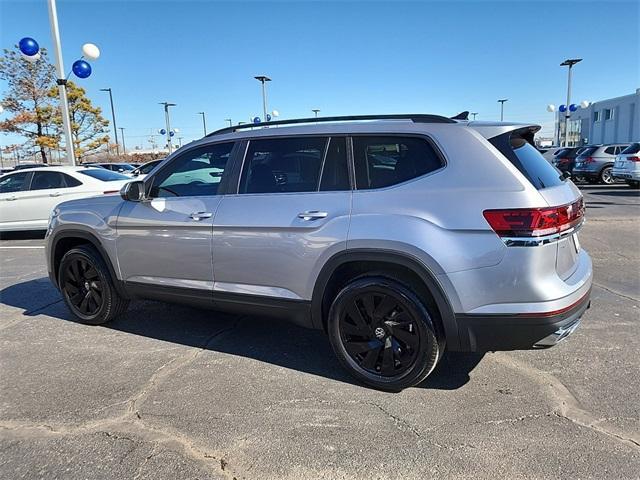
point(180, 142)
point(501, 101)
point(568, 63)
point(61, 80)
point(204, 123)
point(113, 116)
point(474, 114)
point(124, 146)
point(315, 110)
point(263, 79)
point(228, 120)
point(167, 122)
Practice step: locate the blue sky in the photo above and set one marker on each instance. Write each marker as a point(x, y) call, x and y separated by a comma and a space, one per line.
point(342, 57)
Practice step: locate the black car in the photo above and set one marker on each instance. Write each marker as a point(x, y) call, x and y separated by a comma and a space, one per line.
point(565, 159)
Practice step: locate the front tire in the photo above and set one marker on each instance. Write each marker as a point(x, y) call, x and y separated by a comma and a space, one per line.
point(382, 334)
point(87, 287)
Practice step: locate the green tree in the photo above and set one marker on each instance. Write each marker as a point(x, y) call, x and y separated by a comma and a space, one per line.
point(27, 99)
point(88, 126)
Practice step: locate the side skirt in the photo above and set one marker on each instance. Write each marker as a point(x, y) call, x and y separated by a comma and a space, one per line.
point(296, 311)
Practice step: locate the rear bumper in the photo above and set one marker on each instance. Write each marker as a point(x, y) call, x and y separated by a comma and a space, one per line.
point(626, 174)
point(483, 333)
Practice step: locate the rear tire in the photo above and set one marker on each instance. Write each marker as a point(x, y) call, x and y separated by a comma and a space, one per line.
point(87, 287)
point(382, 334)
point(606, 177)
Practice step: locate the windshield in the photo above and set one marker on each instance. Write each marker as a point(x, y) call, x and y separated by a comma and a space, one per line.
point(103, 174)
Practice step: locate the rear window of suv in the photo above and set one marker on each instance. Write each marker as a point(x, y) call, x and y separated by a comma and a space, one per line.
point(526, 158)
point(633, 148)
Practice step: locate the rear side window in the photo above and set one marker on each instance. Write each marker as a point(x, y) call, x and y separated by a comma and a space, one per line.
point(588, 151)
point(279, 165)
point(633, 148)
point(528, 160)
point(48, 180)
point(13, 183)
point(389, 160)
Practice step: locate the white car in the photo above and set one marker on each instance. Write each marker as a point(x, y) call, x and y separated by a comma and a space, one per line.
point(627, 165)
point(28, 196)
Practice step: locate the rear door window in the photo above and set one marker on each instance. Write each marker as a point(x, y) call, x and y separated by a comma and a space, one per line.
point(528, 160)
point(48, 180)
point(383, 161)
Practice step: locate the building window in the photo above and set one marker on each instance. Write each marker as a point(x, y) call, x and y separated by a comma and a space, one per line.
point(608, 113)
point(596, 116)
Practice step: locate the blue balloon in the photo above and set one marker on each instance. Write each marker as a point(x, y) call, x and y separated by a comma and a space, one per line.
point(162, 131)
point(268, 117)
point(562, 108)
point(573, 107)
point(28, 46)
point(256, 120)
point(171, 133)
point(81, 69)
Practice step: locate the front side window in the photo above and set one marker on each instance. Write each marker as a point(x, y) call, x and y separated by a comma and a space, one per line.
point(195, 173)
point(610, 150)
point(48, 180)
point(278, 165)
point(13, 183)
point(385, 161)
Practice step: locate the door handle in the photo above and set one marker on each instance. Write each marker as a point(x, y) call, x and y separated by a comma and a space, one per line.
point(197, 216)
point(55, 194)
point(312, 215)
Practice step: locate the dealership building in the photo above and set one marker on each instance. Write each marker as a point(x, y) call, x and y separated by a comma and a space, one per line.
point(615, 120)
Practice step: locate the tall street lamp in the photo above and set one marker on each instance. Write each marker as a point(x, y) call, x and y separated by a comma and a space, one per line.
point(204, 123)
point(501, 101)
point(113, 116)
point(167, 122)
point(228, 120)
point(474, 114)
point(124, 146)
point(315, 110)
point(568, 63)
point(263, 79)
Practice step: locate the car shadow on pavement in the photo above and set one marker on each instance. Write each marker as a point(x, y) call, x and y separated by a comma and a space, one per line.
point(269, 340)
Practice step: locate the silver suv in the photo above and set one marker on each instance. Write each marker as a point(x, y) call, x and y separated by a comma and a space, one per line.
point(398, 235)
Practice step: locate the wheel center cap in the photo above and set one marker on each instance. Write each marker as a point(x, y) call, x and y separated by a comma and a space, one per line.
point(379, 333)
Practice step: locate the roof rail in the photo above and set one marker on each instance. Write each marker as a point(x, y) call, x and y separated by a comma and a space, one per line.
point(416, 118)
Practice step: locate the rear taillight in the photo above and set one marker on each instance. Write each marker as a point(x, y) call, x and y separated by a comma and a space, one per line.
point(589, 160)
point(563, 160)
point(535, 222)
point(633, 159)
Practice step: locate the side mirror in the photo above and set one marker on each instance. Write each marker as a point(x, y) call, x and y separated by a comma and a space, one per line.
point(133, 191)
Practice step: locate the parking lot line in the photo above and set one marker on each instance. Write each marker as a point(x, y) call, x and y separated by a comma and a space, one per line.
point(21, 246)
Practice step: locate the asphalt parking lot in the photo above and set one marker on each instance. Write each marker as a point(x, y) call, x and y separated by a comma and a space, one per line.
point(175, 392)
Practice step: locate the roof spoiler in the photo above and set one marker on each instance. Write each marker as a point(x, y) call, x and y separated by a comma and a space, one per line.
point(461, 116)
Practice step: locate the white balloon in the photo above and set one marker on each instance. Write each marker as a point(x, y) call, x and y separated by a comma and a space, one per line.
point(176, 130)
point(90, 51)
point(31, 58)
point(551, 107)
point(275, 113)
point(585, 104)
point(1, 109)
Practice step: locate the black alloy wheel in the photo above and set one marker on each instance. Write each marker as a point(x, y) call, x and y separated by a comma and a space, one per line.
point(383, 334)
point(87, 286)
point(83, 286)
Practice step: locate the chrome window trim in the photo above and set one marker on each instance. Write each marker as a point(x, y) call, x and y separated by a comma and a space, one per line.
point(537, 241)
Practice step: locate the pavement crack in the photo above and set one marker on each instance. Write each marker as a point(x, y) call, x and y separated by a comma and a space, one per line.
point(399, 422)
point(615, 292)
point(168, 369)
point(567, 406)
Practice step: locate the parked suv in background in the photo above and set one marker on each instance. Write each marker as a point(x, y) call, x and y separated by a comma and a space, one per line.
point(382, 233)
point(594, 164)
point(565, 159)
point(627, 165)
